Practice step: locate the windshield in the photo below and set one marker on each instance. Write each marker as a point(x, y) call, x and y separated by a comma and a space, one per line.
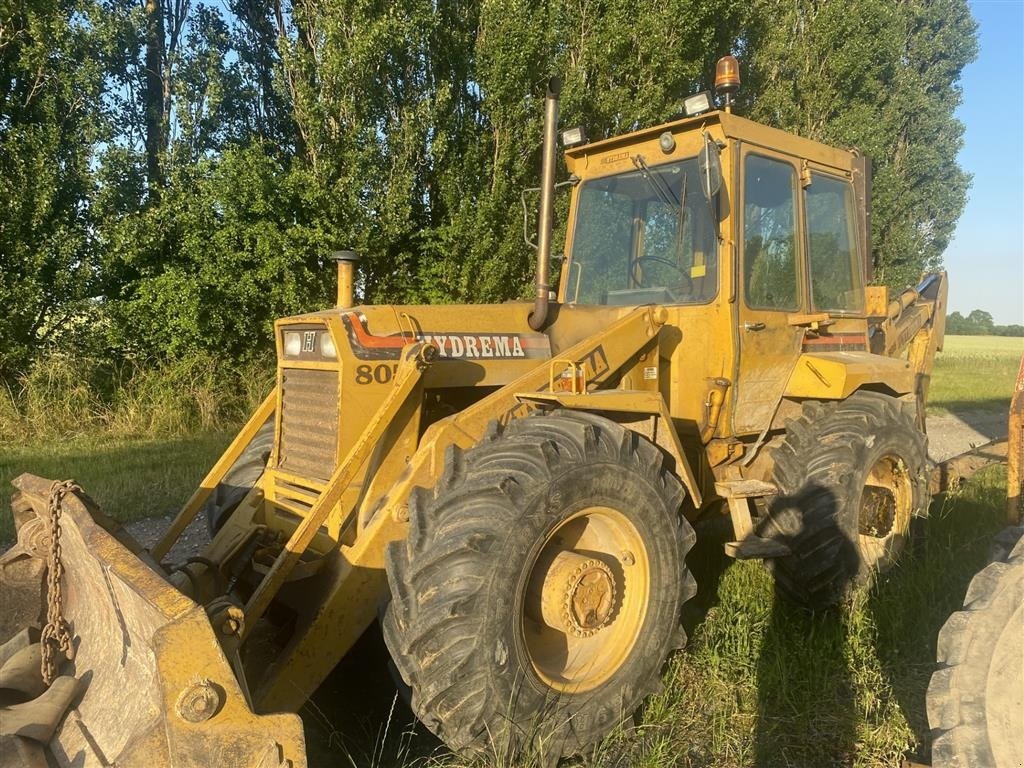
point(632, 246)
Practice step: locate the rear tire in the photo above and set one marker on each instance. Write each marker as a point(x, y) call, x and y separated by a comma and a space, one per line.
point(538, 593)
point(240, 478)
point(976, 697)
point(851, 475)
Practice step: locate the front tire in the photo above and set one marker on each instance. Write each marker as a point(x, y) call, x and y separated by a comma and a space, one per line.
point(538, 593)
point(240, 478)
point(851, 475)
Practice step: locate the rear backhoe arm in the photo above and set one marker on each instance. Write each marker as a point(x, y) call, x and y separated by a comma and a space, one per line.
point(904, 336)
point(916, 319)
point(1015, 454)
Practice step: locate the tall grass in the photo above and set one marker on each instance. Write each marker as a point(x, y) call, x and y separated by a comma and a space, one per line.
point(63, 397)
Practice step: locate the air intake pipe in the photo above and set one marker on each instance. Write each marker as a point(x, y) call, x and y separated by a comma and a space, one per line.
point(539, 316)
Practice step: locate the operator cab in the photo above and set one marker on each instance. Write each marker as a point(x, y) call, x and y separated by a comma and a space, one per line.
point(642, 229)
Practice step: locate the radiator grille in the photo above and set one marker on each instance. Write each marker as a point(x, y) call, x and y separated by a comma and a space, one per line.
point(309, 422)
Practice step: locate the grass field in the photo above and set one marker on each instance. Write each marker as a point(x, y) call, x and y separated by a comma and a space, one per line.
point(760, 683)
point(130, 479)
point(975, 372)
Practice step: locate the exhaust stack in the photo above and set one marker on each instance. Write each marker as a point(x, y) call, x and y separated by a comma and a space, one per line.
point(539, 316)
point(346, 277)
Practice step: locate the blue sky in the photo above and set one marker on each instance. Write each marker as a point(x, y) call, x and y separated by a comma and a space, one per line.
point(985, 260)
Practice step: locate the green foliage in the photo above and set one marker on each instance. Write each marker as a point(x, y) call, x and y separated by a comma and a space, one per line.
point(175, 177)
point(51, 81)
point(979, 323)
point(882, 77)
point(233, 244)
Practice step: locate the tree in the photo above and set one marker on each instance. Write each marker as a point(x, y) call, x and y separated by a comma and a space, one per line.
point(51, 83)
point(981, 320)
point(882, 77)
point(195, 140)
point(979, 323)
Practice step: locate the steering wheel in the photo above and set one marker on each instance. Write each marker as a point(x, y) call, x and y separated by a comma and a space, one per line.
point(686, 283)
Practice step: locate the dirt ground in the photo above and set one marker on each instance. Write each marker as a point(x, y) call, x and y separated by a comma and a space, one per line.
point(950, 435)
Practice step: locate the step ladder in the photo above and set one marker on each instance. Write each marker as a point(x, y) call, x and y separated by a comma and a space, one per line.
point(747, 544)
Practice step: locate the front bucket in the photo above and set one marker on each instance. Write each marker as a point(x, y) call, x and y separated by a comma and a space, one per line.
point(148, 686)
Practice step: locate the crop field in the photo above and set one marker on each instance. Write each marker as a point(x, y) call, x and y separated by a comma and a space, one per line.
point(760, 684)
point(975, 372)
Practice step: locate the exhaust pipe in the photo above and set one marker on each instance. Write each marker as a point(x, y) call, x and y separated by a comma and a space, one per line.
point(346, 277)
point(539, 316)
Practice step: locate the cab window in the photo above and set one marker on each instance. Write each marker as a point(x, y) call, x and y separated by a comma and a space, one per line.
point(770, 278)
point(645, 236)
point(835, 270)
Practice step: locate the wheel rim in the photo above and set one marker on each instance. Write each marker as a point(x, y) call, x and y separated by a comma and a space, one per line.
point(885, 508)
point(586, 598)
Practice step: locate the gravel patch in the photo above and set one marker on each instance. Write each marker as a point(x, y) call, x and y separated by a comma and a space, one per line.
point(191, 542)
point(950, 435)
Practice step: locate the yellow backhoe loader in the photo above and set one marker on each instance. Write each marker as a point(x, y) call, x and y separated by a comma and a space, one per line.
point(512, 488)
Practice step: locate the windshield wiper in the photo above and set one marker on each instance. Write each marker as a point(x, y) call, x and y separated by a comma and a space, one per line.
point(657, 183)
point(682, 218)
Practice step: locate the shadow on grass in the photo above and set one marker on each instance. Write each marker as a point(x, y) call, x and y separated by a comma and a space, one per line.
point(848, 686)
point(358, 719)
point(918, 596)
point(708, 563)
point(808, 719)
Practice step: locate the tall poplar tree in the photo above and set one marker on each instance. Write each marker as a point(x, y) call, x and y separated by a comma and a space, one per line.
point(882, 77)
point(187, 166)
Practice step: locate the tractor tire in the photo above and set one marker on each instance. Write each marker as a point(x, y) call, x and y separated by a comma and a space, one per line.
point(240, 478)
point(976, 697)
point(538, 593)
point(851, 475)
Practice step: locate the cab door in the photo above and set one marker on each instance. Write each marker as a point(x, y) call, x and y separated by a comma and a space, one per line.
point(771, 279)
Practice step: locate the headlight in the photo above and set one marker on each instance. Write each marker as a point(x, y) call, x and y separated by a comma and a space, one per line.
point(327, 345)
point(292, 343)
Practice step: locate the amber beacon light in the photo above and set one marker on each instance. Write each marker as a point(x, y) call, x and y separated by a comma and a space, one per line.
point(727, 79)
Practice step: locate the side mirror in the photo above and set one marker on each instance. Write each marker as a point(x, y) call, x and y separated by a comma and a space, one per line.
point(710, 166)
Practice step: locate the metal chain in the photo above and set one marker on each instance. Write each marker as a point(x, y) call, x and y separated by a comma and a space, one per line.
point(56, 635)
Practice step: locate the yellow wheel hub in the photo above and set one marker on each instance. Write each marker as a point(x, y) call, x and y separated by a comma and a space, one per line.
point(586, 599)
point(886, 504)
point(577, 594)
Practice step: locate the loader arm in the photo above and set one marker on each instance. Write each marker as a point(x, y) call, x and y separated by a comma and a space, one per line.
point(215, 475)
point(358, 583)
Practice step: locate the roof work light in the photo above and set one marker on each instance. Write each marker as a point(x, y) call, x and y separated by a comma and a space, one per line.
point(573, 137)
point(697, 104)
